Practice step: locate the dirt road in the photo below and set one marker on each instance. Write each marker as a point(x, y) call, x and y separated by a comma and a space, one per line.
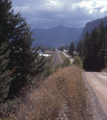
point(57, 58)
point(98, 82)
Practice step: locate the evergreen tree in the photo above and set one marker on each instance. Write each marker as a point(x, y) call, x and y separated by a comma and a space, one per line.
point(86, 52)
point(23, 58)
point(101, 45)
point(105, 44)
point(71, 49)
point(94, 47)
point(79, 48)
point(5, 21)
point(5, 78)
point(61, 48)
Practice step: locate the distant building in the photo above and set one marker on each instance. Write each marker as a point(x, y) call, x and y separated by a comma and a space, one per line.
point(45, 55)
point(64, 50)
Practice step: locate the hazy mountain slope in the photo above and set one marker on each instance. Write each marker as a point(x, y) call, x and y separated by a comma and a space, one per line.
point(56, 36)
point(90, 26)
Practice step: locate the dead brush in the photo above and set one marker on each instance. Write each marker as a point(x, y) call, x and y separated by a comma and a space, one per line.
point(45, 102)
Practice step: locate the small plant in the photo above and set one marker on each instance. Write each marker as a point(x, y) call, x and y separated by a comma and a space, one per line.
point(78, 61)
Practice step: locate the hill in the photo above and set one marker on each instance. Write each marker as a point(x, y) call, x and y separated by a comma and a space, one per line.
point(90, 27)
point(56, 36)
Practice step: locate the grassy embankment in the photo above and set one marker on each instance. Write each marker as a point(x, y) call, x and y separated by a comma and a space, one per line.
point(45, 102)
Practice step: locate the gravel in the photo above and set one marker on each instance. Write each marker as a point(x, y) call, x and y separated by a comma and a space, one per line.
point(95, 110)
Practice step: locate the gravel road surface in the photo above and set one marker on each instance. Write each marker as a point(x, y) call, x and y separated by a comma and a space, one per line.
point(97, 86)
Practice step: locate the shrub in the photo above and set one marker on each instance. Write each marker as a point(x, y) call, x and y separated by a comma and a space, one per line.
point(66, 62)
point(78, 61)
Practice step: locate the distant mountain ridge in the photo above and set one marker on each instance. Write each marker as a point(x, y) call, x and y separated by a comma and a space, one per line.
point(90, 27)
point(56, 36)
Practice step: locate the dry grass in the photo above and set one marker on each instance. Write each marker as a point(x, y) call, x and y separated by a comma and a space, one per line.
point(45, 102)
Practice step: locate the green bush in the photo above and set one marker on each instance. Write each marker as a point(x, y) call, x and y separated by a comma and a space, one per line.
point(66, 62)
point(78, 61)
point(49, 68)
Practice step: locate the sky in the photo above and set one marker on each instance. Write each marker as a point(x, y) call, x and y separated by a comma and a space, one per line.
point(50, 13)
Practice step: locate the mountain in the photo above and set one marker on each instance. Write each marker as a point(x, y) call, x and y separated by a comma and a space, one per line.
point(56, 36)
point(90, 27)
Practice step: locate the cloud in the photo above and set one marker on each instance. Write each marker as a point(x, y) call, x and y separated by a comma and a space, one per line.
point(50, 13)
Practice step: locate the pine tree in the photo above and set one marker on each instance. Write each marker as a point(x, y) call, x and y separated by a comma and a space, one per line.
point(94, 49)
point(86, 52)
point(105, 50)
point(101, 45)
point(71, 49)
point(23, 57)
point(61, 48)
point(5, 78)
point(5, 36)
point(79, 48)
point(5, 21)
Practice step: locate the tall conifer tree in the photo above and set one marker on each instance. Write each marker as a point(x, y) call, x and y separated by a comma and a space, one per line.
point(94, 49)
point(5, 76)
point(23, 58)
point(71, 49)
point(101, 45)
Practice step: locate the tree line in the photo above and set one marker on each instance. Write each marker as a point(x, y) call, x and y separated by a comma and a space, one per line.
point(70, 48)
point(66, 47)
point(93, 49)
point(43, 49)
point(19, 62)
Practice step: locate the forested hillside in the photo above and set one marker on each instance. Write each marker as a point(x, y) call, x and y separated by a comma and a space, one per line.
point(93, 49)
point(90, 27)
point(57, 36)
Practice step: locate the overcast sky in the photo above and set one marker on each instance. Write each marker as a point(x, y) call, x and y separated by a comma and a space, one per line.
point(50, 13)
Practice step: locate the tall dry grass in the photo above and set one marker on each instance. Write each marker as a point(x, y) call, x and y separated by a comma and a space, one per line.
point(45, 102)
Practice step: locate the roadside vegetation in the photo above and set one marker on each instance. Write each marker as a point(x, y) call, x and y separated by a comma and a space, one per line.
point(78, 61)
point(66, 61)
point(9, 106)
point(31, 88)
point(45, 102)
point(20, 64)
